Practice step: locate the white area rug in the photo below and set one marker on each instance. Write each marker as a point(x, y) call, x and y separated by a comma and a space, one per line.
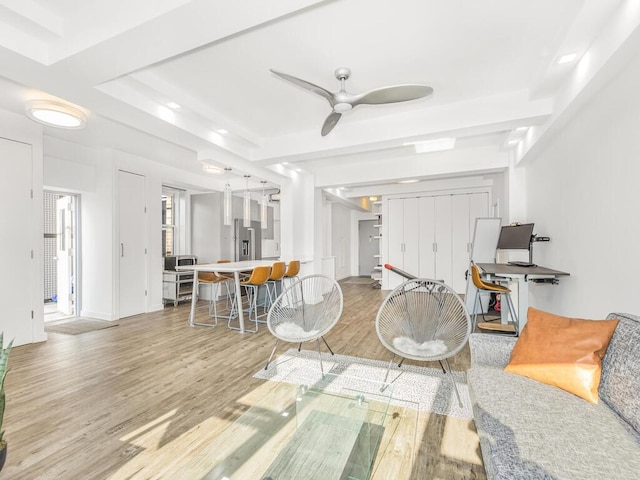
point(427, 389)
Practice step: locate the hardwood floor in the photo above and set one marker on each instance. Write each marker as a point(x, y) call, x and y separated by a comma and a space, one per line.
point(137, 400)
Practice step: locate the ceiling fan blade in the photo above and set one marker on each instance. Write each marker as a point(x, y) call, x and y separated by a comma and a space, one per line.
point(330, 122)
point(397, 93)
point(306, 85)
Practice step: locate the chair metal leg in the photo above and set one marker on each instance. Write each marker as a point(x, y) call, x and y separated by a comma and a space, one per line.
point(386, 376)
point(442, 366)
point(325, 342)
point(320, 356)
point(299, 347)
point(401, 362)
point(212, 307)
point(453, 381)
point(272, 353)
point(513, 314)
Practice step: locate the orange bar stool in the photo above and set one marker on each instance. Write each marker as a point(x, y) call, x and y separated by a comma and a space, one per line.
point(214, 281)
point(259, 276)
point(278, 270)
point(292, 271)
point(482, 286)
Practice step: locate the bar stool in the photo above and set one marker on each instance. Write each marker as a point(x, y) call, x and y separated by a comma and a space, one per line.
point(259, 277)
point(278, 270)
point(483, 286)
point(214, 281)
point(292, 271)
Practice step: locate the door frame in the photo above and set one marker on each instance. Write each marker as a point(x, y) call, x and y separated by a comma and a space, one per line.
point(77, 234)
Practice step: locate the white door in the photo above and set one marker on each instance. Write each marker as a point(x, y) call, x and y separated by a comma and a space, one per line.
point(64, 255)
point(427, 237)
point(16, 243)
point(461, 243)
point(443, 239)
point(411, 225)
point(132, 249)
point(395, 242)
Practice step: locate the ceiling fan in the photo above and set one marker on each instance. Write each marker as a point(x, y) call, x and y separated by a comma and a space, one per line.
point(344, 101)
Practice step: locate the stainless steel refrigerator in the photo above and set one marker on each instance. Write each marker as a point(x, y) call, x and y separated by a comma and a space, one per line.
point(248, 241)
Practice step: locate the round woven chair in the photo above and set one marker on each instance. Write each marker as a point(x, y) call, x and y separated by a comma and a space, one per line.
point(424, 320)
point(305, 311)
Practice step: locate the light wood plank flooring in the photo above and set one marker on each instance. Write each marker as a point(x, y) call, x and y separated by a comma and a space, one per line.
point(137, 400)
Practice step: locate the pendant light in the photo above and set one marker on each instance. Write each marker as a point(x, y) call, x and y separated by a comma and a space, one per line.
point(226, 203)
point(246, 217)
point(263, 207)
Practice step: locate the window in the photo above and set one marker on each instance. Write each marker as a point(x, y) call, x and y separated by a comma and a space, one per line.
point(169, 221)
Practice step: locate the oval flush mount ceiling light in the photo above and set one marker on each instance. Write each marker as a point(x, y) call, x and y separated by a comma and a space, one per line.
point(56, 114)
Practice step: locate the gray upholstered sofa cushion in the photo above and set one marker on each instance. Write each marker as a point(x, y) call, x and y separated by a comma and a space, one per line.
point(620, 382)
point(530, 430)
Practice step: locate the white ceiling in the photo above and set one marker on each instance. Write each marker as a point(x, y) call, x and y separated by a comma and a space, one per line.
point(492, 64)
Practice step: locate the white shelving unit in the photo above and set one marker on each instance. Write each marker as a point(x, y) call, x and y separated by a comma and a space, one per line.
point(377, 270)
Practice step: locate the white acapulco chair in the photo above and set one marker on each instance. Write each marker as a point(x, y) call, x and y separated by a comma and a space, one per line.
point(305, 311)
point(424, 320)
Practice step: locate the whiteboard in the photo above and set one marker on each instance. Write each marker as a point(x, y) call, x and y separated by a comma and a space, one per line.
point(485, 240)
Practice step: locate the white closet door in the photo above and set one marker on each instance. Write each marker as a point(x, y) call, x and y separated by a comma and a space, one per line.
point(461, 243)
point(427, 237)
point(443, 226)
point(478, 208)
point(395, 241)
point(411, 237)
point(17, 283)
point(132, 220)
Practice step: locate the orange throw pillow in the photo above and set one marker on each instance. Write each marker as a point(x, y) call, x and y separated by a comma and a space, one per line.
point(564, 352)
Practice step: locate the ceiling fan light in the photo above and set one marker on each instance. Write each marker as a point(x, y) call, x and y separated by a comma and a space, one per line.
point(342, 107)
point(56, 114)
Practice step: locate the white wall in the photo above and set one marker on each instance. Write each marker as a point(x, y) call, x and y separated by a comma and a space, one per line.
point(583, 192)
point(92, 173)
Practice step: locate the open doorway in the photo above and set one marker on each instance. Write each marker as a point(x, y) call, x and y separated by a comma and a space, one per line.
point(60, 255)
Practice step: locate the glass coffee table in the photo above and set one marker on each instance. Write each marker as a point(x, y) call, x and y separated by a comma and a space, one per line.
point(301, 432)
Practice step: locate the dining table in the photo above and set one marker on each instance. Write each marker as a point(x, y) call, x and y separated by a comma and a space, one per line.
point(230, 267)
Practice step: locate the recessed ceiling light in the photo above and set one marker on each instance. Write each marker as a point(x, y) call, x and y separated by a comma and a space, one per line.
point(436, 145)
point(413, 180)
point(56, 114)
point(567, 58)
point(298, 169)
point(285, 163)
point(222, 131)
point(373, 199)
point(521, 129)
point(173, 105)
point(514, 141)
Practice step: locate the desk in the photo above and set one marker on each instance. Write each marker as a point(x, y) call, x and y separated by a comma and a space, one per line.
point(231, 267)
point(521, 275)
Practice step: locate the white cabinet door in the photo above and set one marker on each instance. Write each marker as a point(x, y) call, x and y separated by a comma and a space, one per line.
point(443, 226)
point(395, 241)
point(461, 242)
point(478, 208)
point(132, 251)
point(411, 258)
point(427, 237)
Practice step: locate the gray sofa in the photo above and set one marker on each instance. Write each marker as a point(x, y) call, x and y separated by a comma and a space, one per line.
point(530, 430)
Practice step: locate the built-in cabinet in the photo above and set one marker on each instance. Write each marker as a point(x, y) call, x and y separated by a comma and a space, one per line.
point(430, 236)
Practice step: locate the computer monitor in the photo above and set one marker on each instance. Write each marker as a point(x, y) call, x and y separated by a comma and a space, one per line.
point(515, 237)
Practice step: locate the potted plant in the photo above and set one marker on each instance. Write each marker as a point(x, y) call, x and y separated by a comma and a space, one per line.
point(4, 359)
